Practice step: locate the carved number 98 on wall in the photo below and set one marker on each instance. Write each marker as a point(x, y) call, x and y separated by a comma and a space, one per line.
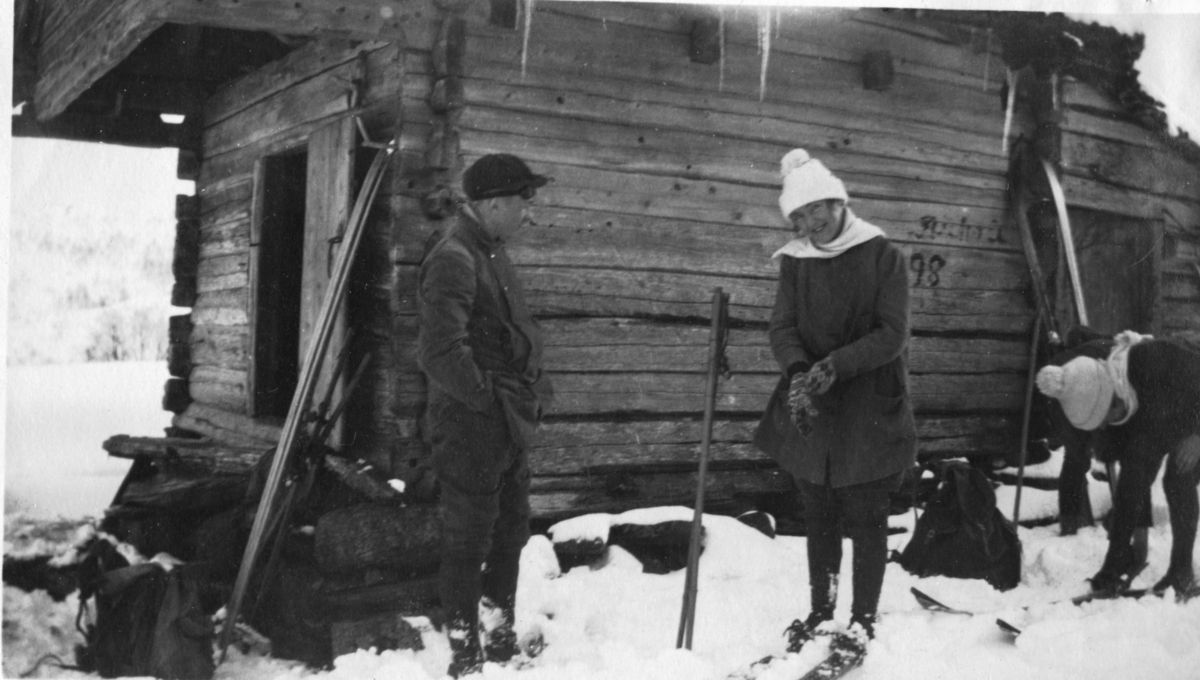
point(926, 269)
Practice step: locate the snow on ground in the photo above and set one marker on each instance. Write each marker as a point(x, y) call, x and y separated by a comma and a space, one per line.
point(59, 415)
point(610, 621)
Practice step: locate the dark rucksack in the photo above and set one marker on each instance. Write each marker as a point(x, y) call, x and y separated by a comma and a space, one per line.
point(963, 534)
point(148, 620)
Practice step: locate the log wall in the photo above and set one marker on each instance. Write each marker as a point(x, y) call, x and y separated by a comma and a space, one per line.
point(666, 185)
point(1113, 165)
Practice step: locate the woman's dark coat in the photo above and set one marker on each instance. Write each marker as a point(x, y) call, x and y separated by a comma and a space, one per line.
point(853, 308)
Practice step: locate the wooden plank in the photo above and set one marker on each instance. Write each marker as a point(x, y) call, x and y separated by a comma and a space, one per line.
point(314, 57)
point(223, 272)
point(133, 128)
point(915, 223)
point(1152, 170)
point(632, 393)
point(668, 159)
point(230, 427)
point(352, 19)
point(562, 45)
point(646, 345)
point(1180, 217)
point(611, 293)
point(1110, 127)
point(222, 308)
point(1078, 94)
point(558, 496)
point(221, 346)
point(600, 99)
point(199, 453)
point(92, 38)
point(329, 200)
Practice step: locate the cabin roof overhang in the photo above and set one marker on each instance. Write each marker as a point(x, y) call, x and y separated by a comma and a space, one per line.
point(105, 70)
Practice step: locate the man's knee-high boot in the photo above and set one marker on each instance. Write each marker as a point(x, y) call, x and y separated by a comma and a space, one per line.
point(459, 583)
point(499, 604)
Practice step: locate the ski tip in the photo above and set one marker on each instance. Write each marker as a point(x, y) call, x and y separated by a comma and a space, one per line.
point(1008, 627)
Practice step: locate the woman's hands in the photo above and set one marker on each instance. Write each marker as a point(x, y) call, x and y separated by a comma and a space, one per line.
point(816, 380)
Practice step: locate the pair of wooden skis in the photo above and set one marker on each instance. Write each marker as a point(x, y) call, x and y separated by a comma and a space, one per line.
point(272, 515)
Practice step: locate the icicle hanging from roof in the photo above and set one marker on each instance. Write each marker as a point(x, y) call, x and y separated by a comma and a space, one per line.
point(1008, 113)
point(525, 38)
point(764, 48)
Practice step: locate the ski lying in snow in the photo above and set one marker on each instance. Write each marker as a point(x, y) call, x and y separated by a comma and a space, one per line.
point(833, 667)
point(836, 665)
point(753, 670)
point(935, 606)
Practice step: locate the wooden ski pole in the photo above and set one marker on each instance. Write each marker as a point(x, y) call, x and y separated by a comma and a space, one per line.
point(716, 344)
point(319, 342)
point(1029, 383)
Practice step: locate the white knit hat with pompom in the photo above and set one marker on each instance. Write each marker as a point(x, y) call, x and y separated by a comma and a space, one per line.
point(806, 180)
point(1083, 387)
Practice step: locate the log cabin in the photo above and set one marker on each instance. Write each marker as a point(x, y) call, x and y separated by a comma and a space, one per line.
point(663, 126)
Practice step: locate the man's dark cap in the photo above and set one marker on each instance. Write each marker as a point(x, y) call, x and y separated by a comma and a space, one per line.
point(501, 174)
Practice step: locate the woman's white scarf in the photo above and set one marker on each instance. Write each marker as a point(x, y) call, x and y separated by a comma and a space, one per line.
point(1118, 371)
point(856, 231)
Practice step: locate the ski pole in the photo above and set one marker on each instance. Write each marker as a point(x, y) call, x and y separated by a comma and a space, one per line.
point(1033, 348)
point(716, 342)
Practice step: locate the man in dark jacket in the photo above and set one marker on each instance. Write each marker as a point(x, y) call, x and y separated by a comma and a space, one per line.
point(481, 351)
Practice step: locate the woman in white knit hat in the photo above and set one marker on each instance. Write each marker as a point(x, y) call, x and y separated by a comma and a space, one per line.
point(840, 421)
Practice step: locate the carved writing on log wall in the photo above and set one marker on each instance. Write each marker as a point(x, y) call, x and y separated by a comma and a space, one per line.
point(933, 228)
point(926, 269)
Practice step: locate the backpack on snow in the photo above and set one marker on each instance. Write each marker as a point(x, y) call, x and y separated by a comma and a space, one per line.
point(148, 620)
point(963, 534)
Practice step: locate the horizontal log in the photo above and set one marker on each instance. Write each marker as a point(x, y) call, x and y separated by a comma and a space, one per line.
point(610, 293)
point(625, 106)
point(564, 45)
point(673, 161)
point(1076, 93)
point(412, 597)
point(221, 346)
point(362, 478)
point(222, 308)
point(1179, 217)
point(827, 34)
point(203, 453)
point(230, 427)
point(386, 535)
point(630, 393)
point(552, 497)
point(646, 345)
point(223, 272)
point(1154, 170)
point(1109, 126)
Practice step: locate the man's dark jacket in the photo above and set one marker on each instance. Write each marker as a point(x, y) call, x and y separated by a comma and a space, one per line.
point(854, 309)
point(479, 347)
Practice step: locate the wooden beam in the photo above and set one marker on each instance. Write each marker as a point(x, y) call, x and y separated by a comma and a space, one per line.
point(355, 19)
point(87, 41)
point(134, 128)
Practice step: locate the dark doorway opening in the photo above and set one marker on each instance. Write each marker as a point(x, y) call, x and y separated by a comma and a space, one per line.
point(278, 268)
